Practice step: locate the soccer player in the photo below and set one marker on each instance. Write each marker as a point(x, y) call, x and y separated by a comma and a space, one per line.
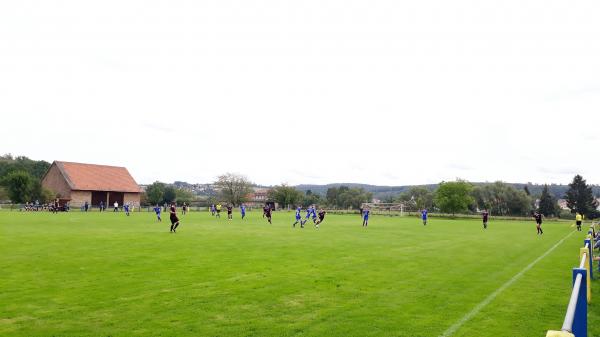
point(314, 214)
point(424, 216)
point(229, 212)
point(219, 210)
point(484, 215)
point(321, 218)
point(267, 213)
point(578, 219)
point(184, 209)
point(308, 213)
point(265, 208)
point(212, 209)
point(538, 220)
point(157, 210)
point(366, 217)
point(116, 204)
point(126, 209)
point(243, 210)
point(298, 218)
point(174, 219)
point(101, 206)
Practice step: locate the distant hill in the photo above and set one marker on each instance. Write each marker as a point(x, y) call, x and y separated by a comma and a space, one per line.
point(380, 192)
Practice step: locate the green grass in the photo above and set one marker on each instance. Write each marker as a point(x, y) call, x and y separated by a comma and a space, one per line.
point(77, 274)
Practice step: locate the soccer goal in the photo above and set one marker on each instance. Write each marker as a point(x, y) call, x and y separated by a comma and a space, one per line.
point(390, 208)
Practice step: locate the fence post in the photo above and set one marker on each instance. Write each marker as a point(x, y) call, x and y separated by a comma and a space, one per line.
point(590, 243)
point(580, 321)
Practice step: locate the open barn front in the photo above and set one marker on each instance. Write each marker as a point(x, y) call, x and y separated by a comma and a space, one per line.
point(115, 197)
point(99, 196)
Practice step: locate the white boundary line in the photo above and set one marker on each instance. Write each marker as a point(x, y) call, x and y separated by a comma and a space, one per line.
point(452, 329)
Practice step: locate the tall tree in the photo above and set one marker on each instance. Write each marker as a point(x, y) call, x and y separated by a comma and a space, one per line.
point(285, 195)
point(502, 199)
point(547, 204)
point(580, 198)
point(19, 185)
point(155, 193)
point(331, 195)
point(36, 168)
point(310, 199)
point(454, 196)
point(346, 197)
point(170, 194)
point(183, 196)
point(234, 188)
point(3, 194)
point(418, 197)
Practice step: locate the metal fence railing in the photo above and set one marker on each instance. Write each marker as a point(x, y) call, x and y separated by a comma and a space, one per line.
point(575, 322)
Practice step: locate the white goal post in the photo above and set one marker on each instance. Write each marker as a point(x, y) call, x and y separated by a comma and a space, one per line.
point(388, 208)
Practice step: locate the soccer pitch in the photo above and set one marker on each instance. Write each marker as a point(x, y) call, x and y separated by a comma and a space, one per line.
point(94, 274)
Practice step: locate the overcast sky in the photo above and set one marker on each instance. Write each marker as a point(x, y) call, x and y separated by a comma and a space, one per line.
point(380, 92)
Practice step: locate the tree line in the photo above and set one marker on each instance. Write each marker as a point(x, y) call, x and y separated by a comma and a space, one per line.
point(20, 179)
point(500, 199)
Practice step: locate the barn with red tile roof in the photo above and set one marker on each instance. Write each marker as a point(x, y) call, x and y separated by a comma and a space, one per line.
point(77, 183)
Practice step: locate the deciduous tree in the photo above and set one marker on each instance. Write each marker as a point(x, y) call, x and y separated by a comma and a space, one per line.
point(454, 196)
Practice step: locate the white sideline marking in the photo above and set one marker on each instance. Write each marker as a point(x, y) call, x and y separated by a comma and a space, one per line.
point(451, 330)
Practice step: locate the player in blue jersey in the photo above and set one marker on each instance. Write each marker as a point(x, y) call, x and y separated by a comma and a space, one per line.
point(157, 210)
point(308, 213)
point(299, 218)
point(366, 217)
point(424, 216)
point(126, 209)
point(314, 216)
point(243, 210)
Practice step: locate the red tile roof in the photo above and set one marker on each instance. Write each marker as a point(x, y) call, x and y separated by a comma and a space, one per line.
point(91, 177)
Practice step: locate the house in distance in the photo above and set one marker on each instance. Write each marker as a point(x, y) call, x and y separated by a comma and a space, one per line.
point(77, 183)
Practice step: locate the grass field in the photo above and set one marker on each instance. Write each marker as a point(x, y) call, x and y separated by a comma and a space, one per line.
point(77, 274)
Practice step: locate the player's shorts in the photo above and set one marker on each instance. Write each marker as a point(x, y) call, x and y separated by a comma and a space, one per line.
point(539, 222)
point(578, 223)
point(173, 219)
point(366, 218)
point(298, 217)
point(218, 211)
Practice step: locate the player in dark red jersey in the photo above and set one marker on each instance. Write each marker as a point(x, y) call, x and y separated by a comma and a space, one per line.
point(538, 221)
point(267, 213)
point(321, 218)
point(485, 215)
point(174, 219)
point(229, 212)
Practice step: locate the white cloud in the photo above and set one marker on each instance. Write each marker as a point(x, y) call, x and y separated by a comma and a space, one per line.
point(382, 92)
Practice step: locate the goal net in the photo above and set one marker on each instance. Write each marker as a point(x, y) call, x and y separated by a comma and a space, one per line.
point(391, 208)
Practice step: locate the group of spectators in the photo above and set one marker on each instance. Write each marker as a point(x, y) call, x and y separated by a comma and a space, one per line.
point(51, 206)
